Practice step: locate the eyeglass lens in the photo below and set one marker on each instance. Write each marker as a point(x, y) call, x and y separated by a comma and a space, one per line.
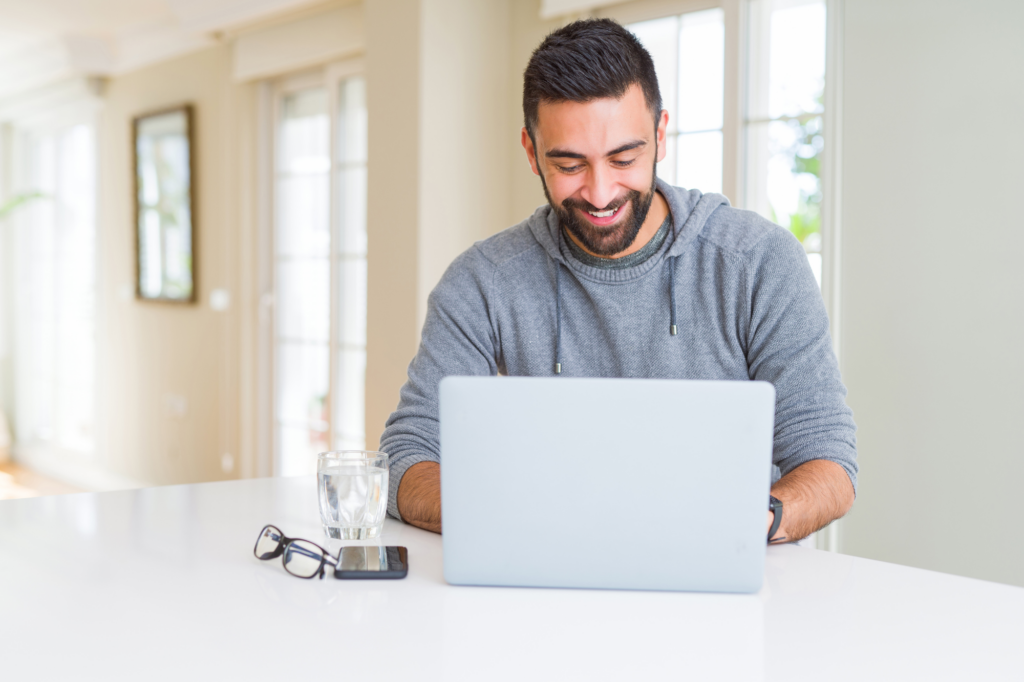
point(302, 558)
point(268, 545)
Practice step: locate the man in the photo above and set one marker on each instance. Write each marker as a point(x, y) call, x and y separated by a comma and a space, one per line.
point(622, 275)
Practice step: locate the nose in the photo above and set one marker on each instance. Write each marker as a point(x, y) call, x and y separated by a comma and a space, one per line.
point(599, 188)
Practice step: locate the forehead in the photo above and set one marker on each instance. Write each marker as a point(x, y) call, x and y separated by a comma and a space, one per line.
point(594, 127)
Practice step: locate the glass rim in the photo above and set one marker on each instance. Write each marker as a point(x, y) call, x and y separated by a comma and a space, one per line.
point(352, 454)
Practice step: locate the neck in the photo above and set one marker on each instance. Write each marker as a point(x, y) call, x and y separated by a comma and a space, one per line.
point(655, 217)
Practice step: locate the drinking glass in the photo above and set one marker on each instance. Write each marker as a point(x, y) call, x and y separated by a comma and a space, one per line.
point(353, 489)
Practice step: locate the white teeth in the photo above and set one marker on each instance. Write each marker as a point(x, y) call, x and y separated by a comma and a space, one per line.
point(602, 214)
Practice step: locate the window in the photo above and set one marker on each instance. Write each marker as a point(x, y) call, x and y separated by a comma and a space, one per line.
point(785, 117)
point(319, 269)
point(689, 56)
point(54, 279)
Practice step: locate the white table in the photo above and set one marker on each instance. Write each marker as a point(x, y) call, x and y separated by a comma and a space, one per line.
point(162, 584)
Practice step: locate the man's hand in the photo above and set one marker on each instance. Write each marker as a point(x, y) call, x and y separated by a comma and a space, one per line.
point(813, 495)
point(419, 496)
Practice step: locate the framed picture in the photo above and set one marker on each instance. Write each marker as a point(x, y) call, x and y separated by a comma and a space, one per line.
point(165, 206)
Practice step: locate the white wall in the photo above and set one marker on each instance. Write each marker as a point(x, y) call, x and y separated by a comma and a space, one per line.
point(463, 128)
point(167, 374)
point(933, 289)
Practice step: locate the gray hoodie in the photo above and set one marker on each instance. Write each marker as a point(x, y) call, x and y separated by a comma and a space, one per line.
point(737, 289)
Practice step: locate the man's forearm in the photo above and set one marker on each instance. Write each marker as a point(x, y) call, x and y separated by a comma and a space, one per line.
point(813, 495)
point(419, 496)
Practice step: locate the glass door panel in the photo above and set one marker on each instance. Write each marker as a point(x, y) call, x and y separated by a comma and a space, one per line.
point(320, 269)
point(350, 278)
point(302, 264)
point(784, 132)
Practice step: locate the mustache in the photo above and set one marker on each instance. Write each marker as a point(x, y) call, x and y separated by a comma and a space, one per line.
point(584, 205)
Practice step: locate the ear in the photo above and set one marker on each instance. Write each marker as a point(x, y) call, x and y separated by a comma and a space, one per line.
point(661, 132)
point(531, 152)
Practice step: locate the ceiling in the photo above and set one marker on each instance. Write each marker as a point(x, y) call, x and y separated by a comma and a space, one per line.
point(45, 41)
point(41, 18)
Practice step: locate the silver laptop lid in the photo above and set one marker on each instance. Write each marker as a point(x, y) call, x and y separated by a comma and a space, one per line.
point(605, 483)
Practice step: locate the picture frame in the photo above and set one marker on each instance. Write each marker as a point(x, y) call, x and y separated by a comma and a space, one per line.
point(163, 153)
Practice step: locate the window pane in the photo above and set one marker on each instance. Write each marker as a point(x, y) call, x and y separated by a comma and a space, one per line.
point(303, 279)
point(303, 215)
point(352, 120)
point(667, 166)
point(302, 384)
point(689, 56)
point(54, 279)
point(701, 70)
point(350, 359)
point(786, 80)
point(660, 37)
point(790, 193)
point(304, 142)
point(700, 161)
point(352, 210)
point(303, 290)
point(352, 295)
point(299, 446)
point(76, 296)
point(787, 58)
point(797, 59)
point(349, 411)
point(308, 196)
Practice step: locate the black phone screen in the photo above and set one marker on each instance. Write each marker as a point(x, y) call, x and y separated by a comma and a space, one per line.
point(372, 562)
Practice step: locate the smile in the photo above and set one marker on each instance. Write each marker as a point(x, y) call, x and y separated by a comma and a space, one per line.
point(606, 217)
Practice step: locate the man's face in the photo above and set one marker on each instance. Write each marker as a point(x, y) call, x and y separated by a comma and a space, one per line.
point(596, 161)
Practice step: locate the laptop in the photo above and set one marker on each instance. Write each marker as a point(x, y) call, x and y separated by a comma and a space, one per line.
point(645, 484)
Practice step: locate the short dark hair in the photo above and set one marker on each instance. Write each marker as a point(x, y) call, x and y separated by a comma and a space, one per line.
point(587, 60)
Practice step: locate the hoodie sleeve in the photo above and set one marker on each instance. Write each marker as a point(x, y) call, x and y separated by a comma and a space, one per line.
point(788, 344)
point(457, 339)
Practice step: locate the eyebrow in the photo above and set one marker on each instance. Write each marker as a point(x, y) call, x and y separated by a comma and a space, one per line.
point(566, 154)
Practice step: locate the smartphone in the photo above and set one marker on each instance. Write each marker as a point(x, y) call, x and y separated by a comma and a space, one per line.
point(372, 562)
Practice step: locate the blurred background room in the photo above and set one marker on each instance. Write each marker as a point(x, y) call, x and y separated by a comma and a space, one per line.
point(220, 221)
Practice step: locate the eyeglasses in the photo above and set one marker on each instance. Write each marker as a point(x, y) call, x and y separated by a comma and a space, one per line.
point(301, 558)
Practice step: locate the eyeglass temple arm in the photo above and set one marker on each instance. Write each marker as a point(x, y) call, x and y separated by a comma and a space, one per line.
point(313, 555)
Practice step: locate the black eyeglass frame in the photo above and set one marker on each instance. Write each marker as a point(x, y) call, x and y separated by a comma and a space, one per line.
point(282, 545)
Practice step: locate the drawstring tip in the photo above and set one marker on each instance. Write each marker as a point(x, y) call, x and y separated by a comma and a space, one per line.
point(558, 368)
point(673, 330)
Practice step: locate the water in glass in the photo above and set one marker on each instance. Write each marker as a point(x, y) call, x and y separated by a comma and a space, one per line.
point(353, 498)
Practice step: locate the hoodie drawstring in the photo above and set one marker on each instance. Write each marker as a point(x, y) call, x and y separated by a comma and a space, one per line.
point(672, 328)
point(558, 317)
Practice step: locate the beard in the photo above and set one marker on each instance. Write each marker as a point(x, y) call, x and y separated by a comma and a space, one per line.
point(611, 239)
